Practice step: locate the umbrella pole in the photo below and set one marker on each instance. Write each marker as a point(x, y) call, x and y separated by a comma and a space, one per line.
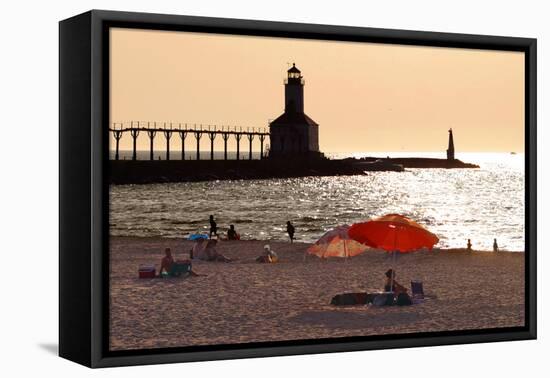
point(346, 250)
point(393, 261)
point(393, 271)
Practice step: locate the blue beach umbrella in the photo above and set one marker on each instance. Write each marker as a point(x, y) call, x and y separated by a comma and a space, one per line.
point(194, 237)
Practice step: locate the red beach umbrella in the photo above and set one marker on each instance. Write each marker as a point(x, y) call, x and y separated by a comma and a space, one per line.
point(393, 232)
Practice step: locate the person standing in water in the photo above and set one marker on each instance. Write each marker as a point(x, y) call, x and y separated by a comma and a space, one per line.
point(469, 246)
point(290, 230)
point(495, 245)
point(213, 226)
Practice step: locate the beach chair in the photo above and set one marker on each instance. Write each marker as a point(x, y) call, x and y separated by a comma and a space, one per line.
point(179, 269)
point(417, 291)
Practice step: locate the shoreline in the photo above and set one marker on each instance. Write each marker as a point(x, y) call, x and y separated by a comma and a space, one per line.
point(243, 301)
point(269, 241)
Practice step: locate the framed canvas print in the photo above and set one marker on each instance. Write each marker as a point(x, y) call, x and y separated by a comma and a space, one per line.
point(234, 188)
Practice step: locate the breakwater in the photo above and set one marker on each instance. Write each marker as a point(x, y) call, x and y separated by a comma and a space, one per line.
point(159, 171)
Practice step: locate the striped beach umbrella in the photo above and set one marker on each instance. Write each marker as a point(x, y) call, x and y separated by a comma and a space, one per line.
point(336, 243)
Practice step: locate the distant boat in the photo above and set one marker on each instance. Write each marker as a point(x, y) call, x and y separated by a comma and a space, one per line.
point(380, 165)
point(512, 153)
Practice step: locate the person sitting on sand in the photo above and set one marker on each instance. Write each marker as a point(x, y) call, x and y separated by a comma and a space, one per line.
point(197, 249)
point(214, 255)
point(268, 256)
point(206, 250)
point(469, 246)
point(495, 246)
point(396, 287)
point(400, 295)
point(232, 234)
point(290, 230)
point(166, 262)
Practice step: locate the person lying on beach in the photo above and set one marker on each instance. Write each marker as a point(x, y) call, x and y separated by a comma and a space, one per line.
point(232, 234)
point(166, 262)
point(268, 256)
point(290, 230)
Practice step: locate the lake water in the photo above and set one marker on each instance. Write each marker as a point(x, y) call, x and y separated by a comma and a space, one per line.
point(455, 204)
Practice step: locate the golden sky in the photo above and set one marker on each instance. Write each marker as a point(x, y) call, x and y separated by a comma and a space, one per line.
point(365, 97)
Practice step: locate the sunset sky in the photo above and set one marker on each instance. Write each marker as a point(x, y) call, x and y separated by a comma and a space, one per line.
point(365, 97)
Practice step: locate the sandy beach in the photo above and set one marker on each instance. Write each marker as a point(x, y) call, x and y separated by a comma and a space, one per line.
point(243, 301)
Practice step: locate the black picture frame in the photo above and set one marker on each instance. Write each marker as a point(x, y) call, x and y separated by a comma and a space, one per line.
point(83, 193)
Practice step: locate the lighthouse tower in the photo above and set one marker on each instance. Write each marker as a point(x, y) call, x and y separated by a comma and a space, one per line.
point(293, 133)
point(294, 90)
point(451, 148)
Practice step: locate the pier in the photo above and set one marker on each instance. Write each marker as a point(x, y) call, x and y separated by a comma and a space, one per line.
point(294, 160)
point(184, 130)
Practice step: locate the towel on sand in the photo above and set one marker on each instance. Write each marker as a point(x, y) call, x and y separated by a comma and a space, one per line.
point(350, 299)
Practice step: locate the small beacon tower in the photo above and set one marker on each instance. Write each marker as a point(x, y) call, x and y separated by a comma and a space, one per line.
point(451, 148)
point(293, 133)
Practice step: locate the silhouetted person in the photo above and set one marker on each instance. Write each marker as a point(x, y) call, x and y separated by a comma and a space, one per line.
point(231, 233)
point(495, 246)
point(391, 285)
point(213, 226)
point(469, 246)
point(290, 230)
point(400, 295)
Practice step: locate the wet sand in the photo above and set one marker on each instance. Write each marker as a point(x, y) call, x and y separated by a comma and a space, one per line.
point(244, 301)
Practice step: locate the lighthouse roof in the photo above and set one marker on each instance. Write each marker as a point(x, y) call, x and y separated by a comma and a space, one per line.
point(293, 69)
point(293, 118)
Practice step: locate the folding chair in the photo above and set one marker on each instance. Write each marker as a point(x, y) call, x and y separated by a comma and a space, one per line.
point(417, 290)
point(179, 269)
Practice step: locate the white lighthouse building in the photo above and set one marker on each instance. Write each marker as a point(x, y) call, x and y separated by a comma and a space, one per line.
point(293, 133)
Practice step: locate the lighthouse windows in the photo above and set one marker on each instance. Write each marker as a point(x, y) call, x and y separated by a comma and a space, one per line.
point(293, 75)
